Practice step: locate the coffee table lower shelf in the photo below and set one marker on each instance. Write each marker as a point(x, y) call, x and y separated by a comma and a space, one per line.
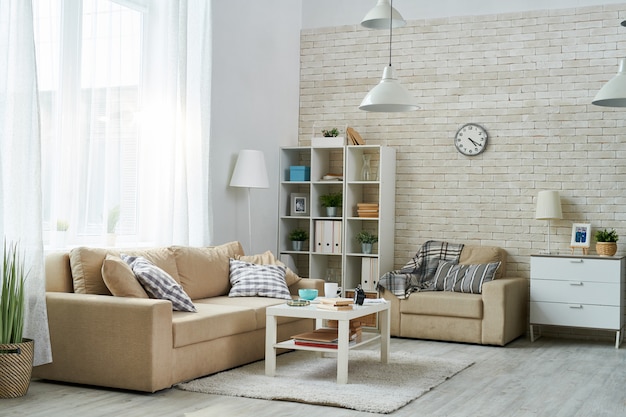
point(367, 337)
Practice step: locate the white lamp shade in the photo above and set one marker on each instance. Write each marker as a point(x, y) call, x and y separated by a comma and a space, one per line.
point(378, 17)
point(613, 93)
point(250, 170)
point(548, 206)
point(389, 96)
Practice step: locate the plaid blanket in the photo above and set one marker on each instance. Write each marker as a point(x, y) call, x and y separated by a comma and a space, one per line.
point(419, 272)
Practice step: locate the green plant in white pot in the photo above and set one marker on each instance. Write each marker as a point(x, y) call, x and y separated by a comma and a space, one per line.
point(367, 240)
point(16, 353)
point(331, 202)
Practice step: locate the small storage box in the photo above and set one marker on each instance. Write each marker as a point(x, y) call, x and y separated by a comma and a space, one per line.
point(299, 173)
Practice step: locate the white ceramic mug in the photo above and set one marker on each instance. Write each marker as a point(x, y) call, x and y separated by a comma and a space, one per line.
point(330, 289)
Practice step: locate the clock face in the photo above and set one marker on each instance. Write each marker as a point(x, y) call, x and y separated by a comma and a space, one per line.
point(471, 139)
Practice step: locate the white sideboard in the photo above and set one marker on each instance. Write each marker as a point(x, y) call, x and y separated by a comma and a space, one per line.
point(577, 291)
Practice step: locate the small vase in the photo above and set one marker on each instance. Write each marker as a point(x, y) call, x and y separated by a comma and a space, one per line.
point(297, 245)
point(606, 248)
point(366, 174)
point(331, 211)
point(366, 248)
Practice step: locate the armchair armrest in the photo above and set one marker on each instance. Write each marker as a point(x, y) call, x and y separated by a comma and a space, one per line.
point(505, 302)
point(109, 341)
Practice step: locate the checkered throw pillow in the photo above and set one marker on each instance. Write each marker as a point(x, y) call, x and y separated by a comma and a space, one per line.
point(158, 283)
point(249, 280)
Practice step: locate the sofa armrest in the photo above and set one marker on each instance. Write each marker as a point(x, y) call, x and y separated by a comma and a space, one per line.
point(109, 341)
point(505, 302)
point(307, 283)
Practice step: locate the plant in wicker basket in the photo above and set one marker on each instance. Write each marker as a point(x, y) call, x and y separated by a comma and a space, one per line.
point(606, 242)
point(16, 353)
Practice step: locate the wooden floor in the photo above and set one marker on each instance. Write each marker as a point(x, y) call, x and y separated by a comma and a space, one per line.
point(550, 377)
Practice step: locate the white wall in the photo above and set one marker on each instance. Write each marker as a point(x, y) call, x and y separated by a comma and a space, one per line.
point(325, 13)
point(255, 99)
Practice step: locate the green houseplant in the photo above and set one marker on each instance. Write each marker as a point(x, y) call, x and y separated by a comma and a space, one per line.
point(330, 133)
point(297, 237)
point(331, 201)
point(16, 353)
point(367, 240)
point(606, 242)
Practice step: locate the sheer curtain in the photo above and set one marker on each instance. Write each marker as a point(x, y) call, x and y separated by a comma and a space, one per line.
point(20, 162)
point(125, 91)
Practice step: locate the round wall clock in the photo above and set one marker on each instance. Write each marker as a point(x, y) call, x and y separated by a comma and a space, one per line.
point(471, 139)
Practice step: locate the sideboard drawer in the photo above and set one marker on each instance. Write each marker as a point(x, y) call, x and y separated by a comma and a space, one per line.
point(582, 292)
point(567, 268)
point(575, 315)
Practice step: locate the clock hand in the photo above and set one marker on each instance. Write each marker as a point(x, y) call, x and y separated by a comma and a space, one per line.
point(475, 144)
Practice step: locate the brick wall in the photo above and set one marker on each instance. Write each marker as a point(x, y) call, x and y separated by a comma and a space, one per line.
point(528, 78)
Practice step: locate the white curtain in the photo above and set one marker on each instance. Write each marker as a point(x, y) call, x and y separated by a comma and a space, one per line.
point(20, 162)
point(174, 140)
point(125, 121)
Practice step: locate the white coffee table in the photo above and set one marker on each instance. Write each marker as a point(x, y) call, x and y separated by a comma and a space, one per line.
point(343, 318)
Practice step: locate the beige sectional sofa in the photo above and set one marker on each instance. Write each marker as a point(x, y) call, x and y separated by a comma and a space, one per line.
point(495, 317)
point(133, 342)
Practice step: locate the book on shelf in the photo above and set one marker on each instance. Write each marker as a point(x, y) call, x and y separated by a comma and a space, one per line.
point(325, 338)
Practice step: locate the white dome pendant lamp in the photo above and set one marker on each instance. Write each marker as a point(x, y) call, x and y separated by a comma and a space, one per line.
point(613, 93)
point(378, 17)
point(389, 95)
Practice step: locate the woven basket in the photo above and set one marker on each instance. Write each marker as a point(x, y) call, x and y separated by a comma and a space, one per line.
point(16, 367)
point(606, 248)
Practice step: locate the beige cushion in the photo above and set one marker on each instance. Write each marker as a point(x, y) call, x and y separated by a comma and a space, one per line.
point(444, 303)
point(86, 265)
point(476, 254)
point(120, 279)
point(268, 258)
point(204, 271)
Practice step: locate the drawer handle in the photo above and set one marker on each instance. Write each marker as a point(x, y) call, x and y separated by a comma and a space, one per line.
point(577, 306)
point(576, 284)
point(576, 261)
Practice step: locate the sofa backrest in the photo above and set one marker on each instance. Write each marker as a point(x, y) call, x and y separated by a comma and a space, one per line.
point(476, 254)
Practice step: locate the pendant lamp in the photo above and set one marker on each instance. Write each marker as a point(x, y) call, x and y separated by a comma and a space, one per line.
point(613, 94)
point(378, 17)
point(389, 95)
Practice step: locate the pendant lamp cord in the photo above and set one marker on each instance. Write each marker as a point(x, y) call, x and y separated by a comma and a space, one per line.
point(390, 27)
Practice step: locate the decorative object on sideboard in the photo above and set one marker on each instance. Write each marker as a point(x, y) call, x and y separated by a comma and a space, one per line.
point(16, 353)
point(389, 95)
point(367, 240)
point(331, 202)
point(548, 208)
point(298, 236)
point(613, 93)
point(606, 242)
point(250, 172)
point(581, 236)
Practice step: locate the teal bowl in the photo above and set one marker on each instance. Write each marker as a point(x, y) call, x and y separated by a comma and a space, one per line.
point(307, 293)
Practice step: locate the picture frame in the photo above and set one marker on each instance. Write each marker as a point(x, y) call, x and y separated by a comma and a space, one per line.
point(581, 235)
point(299, 204)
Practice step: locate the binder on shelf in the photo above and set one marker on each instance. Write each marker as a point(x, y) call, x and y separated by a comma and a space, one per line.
point(337, 247)
point(369, 273)
point(328, 236)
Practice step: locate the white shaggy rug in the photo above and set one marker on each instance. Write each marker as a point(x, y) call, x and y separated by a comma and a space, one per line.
point(308, 378)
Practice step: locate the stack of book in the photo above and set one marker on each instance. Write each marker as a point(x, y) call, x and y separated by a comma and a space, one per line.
point(324, 338)
point(336, 304)
point(356, 329)
point(367, 209)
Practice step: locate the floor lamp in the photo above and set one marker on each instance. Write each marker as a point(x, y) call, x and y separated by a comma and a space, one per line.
point(548, 208)
point(250, 172)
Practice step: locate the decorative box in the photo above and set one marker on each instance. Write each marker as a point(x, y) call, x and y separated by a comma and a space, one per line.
point(299, 173)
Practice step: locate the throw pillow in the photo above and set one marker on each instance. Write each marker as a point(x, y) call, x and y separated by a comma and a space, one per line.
point(267, 258)
point(158, 283)
point(249, 280)
point(120, 279)
point(475, 276)
point(448, 272)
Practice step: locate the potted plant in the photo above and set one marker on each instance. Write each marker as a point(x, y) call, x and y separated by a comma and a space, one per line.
point(367, 240)
point(331, 201)
point(112, 220)
point(330, 133)
point(16, 353)
point(297, 237)
point(606, 242)
point(61, 235)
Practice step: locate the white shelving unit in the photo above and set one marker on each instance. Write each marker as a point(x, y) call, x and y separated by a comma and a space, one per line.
point(346, 160)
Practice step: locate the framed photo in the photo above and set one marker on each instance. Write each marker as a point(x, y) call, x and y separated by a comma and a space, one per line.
point(299, 204)
point(581, 235)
